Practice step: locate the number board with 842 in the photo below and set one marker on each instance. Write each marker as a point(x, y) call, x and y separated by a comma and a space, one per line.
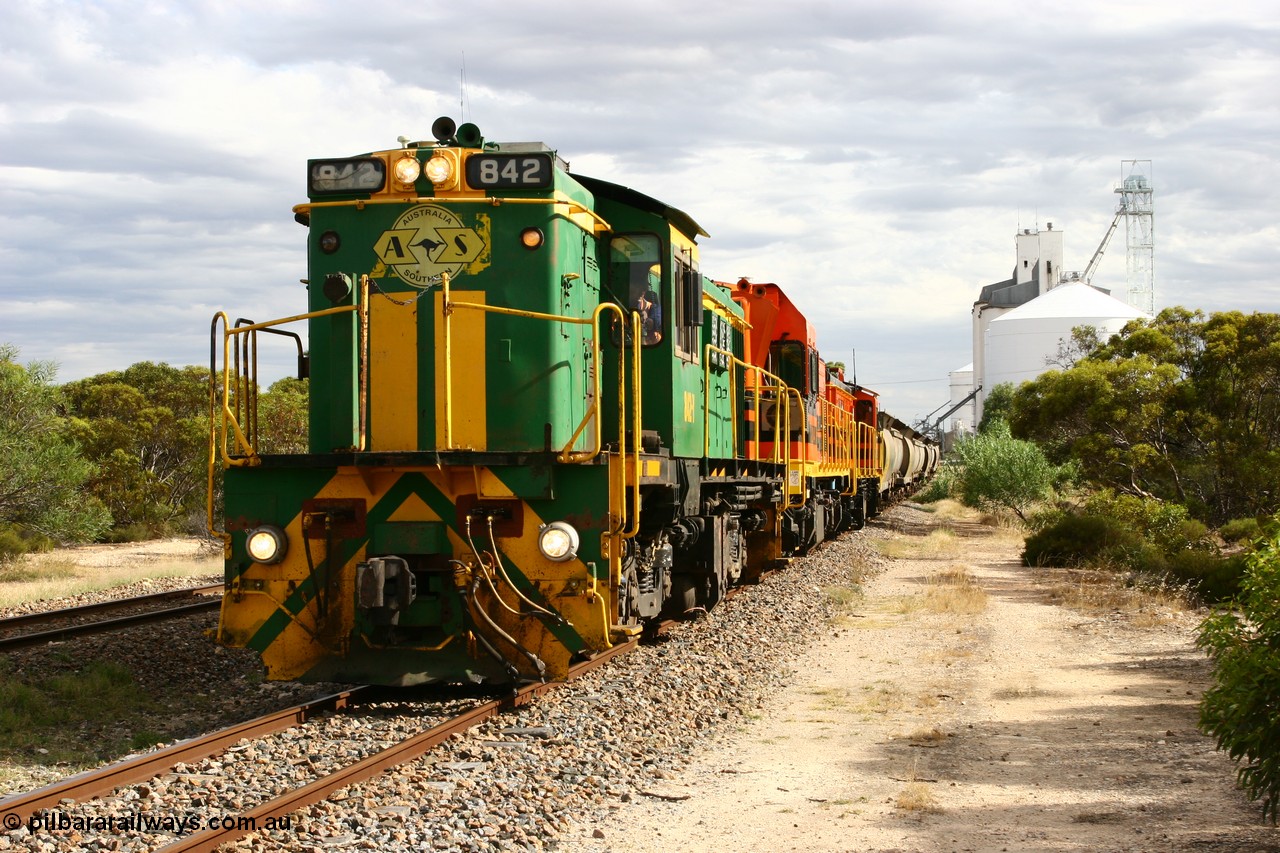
point(509, 171)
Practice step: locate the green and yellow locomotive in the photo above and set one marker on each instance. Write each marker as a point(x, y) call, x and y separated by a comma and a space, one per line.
point(532, 427)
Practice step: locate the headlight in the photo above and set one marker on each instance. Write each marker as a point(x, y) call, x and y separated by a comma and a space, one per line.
point(439, 169)
point(558, 541)
point(266, 544)
point(407, 170)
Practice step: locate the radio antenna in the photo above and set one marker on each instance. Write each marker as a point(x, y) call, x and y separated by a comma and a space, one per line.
point(462, 88)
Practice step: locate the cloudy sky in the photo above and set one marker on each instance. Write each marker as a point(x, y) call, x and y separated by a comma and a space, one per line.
point(876, 159)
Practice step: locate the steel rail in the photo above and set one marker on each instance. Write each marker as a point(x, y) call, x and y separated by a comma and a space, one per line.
point(9, 622)
point(212, 839)
point(105, 625)
point(104, 780)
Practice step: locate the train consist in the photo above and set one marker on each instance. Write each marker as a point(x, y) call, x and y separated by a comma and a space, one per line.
point(535, 426)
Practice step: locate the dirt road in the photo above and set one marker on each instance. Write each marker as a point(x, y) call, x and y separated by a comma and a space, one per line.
point(1022, 724)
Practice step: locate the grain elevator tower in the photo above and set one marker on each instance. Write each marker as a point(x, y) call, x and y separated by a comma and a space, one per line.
point(1138, 208)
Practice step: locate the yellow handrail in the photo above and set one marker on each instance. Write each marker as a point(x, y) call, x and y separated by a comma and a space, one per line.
point(567, 454)
point(224, 422)
point(782, 393)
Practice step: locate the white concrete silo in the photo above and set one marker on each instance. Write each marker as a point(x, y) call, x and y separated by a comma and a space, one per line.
point(1020, 342)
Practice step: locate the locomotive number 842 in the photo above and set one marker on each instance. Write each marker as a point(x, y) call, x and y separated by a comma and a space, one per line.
point(535, 425)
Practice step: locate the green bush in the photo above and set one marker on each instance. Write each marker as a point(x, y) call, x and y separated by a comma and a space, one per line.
point(994, 470)
point(1168, 525)
point(137, 532)
point(941, 487)
point(12, 545)
point(1080, 540)
point(1240, 530)
point(1158, 541)
point(16, 541)
point(1240, 709)
point(1215, 578)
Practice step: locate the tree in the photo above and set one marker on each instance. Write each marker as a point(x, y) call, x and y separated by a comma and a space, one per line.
point(1179, 408)
point(1084, 341)
point(282, 417)
point(995, 470)
point(996, 406)
point(1240, 709)
point(42, 474)
point(146, 428)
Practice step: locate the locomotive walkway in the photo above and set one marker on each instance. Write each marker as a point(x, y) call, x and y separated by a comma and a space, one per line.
point(1025, 725)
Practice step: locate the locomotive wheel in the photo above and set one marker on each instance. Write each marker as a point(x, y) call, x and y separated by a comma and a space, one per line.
point(629, 596)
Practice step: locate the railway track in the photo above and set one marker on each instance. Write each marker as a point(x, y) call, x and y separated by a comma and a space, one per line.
point(102, 781)
point(528, 777)
point(97, 618)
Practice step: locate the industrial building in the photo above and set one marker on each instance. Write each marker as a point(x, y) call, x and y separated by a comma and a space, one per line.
point(1020, 323)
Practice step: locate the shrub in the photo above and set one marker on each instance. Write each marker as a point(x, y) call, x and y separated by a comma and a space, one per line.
point(1215, 578)
point(1078, 540)
point(12, 545)
point(941, 487)
point(1159, 541)
point(1240, 530)
point(1239, 710)
point(16, 541)
point(994, 470)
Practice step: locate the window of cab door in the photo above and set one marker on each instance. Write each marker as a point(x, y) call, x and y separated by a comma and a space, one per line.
point(687, 321)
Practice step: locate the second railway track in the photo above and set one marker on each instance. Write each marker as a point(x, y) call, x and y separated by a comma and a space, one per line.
point(33, 629)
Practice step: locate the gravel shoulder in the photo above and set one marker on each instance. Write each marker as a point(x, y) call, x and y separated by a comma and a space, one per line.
point(1025, 726)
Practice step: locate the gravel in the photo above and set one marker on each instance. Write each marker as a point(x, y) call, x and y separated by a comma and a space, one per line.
point(514, 783)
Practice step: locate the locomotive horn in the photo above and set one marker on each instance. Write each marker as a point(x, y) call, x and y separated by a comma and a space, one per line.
point(469, 136)
point(443, 129)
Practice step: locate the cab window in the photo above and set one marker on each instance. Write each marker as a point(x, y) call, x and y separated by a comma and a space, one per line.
point(635, 263)
point(688, 305)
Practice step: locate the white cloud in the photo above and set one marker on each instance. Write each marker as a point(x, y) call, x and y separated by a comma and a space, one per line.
point(875, 161)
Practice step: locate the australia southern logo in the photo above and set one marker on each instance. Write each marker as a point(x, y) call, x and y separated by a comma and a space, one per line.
point(427, 241)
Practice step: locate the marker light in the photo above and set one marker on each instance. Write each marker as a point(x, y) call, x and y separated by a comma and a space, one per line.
point(407, 169)
point(267, 544)
point(558, 541)
point(531, 238)
point(439, 169)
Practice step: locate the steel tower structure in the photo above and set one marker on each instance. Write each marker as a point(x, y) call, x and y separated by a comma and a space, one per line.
point(1138, 208)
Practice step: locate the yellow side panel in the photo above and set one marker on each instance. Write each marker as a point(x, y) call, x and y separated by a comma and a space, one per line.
point(467, 354)
point(393, 375)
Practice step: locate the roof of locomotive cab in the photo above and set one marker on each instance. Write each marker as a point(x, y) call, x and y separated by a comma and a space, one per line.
point(625, 195)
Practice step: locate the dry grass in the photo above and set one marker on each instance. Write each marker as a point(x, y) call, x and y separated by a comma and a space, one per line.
point(884, 697)
point(844, 600)
point(1021, 691)
point(917, 796)
point(936, 545)
point(1098, 592)
point(949, 509)
point(954, 590)
point(830, 698)
point(927, 735)
point(56, 576)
